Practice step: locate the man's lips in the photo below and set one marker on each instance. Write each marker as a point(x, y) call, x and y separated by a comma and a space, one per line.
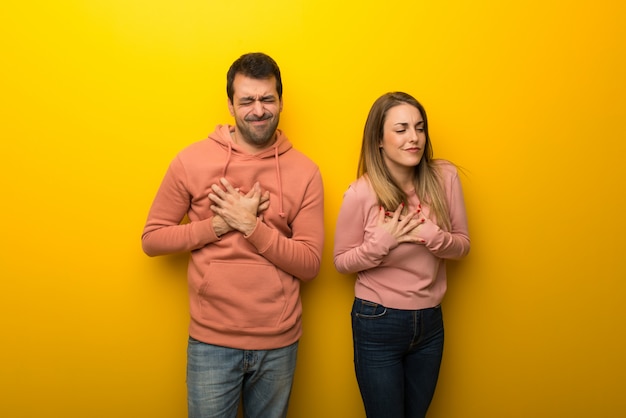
point(261, 119)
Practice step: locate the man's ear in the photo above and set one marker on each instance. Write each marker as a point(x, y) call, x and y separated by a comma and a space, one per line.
point(231, 108)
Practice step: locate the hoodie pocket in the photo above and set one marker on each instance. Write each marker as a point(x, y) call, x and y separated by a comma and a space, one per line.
point(242, 295)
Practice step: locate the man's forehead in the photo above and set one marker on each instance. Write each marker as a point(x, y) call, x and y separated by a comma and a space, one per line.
point(244, 86)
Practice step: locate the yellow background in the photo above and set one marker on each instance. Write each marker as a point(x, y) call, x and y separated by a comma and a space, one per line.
point(528, 97)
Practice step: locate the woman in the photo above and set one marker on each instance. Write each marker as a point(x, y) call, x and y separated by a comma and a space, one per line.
point(399, 222)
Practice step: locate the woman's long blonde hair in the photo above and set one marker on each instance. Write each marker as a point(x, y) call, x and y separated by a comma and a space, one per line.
point(426, 180)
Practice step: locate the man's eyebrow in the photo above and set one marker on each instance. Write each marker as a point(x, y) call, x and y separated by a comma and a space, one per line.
point(253, 98)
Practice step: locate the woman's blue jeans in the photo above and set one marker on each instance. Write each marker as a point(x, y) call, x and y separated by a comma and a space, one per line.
point(219, 377)
point(397, 356)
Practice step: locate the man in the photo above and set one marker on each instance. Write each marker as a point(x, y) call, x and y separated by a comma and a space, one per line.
point(255, 231)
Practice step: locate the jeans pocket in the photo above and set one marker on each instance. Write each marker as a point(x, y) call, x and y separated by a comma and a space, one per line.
point(368, 310)
point(192, 340)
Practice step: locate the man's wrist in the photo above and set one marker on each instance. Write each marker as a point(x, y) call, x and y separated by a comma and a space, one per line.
point(249, 227)
point(220, 227)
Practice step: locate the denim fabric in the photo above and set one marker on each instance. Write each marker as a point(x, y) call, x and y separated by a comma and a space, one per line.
point(397, 355)
point(218, 377)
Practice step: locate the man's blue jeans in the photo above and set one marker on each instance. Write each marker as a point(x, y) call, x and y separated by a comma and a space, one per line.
point(218, 377)
point(397, 355)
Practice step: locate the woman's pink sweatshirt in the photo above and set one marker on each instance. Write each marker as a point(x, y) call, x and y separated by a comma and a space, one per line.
point(401, 276)
point(243, 290)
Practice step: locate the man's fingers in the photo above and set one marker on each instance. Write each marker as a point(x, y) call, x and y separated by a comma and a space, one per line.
point(215, 198)
point(227, 185)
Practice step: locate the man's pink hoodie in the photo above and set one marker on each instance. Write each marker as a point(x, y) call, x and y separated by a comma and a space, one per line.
point(244, 291)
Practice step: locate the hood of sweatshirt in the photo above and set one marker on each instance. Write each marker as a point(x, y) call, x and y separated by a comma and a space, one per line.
point(222, 135)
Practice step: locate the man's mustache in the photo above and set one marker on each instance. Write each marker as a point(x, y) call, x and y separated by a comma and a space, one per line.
point(264, 116)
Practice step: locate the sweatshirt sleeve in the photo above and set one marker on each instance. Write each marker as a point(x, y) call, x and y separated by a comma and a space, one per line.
point(299, 255)
point(357, 246)
point(454, 244)
point(163, 232)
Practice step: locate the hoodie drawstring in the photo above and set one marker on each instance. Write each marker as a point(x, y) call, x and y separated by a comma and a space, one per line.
point(280, 185)
point(230, 151)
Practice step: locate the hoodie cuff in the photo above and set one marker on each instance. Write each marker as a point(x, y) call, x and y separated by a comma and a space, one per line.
point(203, 231)
point(260, 236)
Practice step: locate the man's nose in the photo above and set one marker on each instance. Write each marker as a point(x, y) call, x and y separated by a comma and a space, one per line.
point(257, 108)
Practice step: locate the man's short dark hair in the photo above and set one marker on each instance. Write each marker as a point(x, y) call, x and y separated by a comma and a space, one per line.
point(255, 65)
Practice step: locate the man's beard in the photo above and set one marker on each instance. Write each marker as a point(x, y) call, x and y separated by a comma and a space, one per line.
point(258, 138)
